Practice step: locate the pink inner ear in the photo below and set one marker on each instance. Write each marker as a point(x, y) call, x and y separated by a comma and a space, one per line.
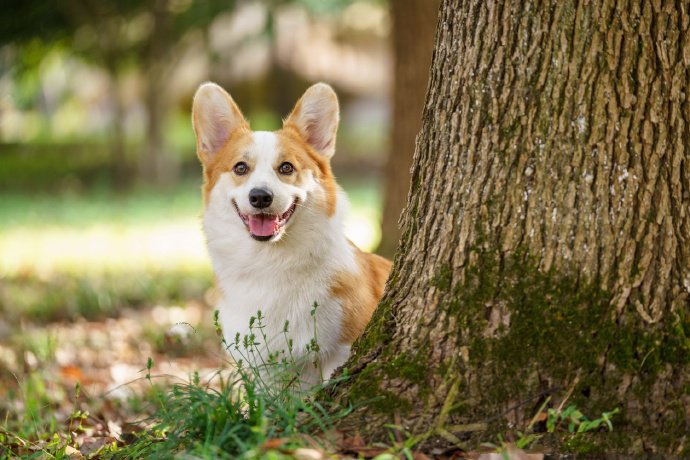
point(313, 137)
point(316, 136)
point(319, 144)
point(217, 137)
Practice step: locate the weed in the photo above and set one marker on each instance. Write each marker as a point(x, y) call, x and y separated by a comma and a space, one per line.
point(576, 420)
point(570, 422)
point(237, 413)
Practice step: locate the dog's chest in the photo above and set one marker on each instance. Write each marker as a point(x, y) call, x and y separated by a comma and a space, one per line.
point(299, 295)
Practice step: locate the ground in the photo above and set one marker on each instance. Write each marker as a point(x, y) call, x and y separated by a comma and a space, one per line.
point(93, 285)
point(108, 345)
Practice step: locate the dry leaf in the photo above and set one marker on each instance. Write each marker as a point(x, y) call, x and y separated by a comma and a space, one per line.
point(274, 443)
point(91, 445)
point(307, 454)
point(72, 373)
point(72, 452)
point(114, 429)
point(513, 453)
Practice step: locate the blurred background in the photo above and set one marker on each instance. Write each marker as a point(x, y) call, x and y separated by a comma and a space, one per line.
point(102, 259)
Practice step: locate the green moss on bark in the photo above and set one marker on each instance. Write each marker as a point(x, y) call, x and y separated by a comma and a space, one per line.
point(554, 334)
point(410, 367)
point(378, 333)
point(555, 330)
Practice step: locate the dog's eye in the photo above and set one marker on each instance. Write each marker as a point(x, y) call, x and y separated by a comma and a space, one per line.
point(286, 168)
point(241, 168)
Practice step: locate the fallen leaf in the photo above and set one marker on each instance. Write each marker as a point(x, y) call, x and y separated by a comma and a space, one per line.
point(114, 429)
point(72, 373)
point(72, 452)
point(274, 443)
point(93, 445)
point(303, 453)
point(325, 441)
point(541, 416)
point(353, 442)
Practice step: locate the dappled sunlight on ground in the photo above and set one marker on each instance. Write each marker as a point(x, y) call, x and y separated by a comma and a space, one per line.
point(112, 246)
point(41, 366)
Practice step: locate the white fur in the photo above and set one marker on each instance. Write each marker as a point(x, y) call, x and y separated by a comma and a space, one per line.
point(263, 175)
point(281, 278)
point(218, 117)
point(318, 118)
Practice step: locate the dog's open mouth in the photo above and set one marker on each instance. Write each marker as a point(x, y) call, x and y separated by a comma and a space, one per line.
point(264, 226)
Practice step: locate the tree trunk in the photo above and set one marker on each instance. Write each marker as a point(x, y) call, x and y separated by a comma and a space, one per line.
point(414, 23)
point(545, 254)
point(153, 161)
point(117, 138)
point(156, 166)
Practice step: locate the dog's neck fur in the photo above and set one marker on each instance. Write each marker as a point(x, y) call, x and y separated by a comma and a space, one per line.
point(315, 243)
point(283, 279)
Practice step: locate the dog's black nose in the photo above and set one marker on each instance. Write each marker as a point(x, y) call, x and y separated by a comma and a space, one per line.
point(260, 198)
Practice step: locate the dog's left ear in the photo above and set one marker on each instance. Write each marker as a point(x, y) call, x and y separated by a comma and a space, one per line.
point(316, 116)
point(215, 117)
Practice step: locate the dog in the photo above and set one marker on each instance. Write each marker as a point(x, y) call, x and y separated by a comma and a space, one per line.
point(273, 220)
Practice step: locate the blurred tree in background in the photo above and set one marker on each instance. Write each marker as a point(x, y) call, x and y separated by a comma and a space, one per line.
point(98, 92)
point(122, 73)
point(114, 36)
point(414, 25)
point(99, 180)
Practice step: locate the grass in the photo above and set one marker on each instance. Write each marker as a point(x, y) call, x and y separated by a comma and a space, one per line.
point(241, 416)
point(87, 277)
point(233, 414)
point(102, 231)
point(84, 278)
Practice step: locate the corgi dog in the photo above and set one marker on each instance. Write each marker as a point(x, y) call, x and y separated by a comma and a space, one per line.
point(273, 220)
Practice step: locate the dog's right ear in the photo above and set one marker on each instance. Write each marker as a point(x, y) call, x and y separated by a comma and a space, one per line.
point(215, 117)
point(316, 116)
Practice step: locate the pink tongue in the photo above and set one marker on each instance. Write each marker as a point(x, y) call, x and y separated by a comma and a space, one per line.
point(263, 225)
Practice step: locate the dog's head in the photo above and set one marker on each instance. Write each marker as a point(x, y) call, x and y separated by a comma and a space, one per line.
point(263, 181)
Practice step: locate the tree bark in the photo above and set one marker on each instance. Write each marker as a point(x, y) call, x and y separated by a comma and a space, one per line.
point(156, 166)
point(414, 24)
point(545, 254)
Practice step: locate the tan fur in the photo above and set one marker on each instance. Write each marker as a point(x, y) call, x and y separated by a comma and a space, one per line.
point(360, 292)
point(225, 159)
point(231, 152)
point(304, 122)
point(297, 151)
point(307, 141)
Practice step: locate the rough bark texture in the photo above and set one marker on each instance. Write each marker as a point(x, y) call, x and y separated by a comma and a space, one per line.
point(546, 240)
point(414, 23)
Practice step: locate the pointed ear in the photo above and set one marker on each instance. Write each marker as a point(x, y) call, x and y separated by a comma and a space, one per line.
point(215, 117)
point(315, 117)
